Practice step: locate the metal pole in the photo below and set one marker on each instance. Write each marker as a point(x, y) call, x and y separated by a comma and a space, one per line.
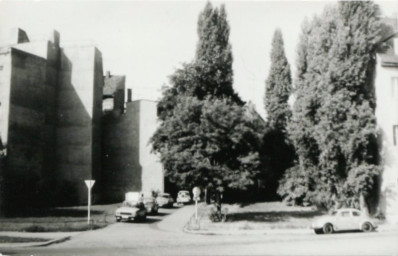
point(196, 209)
point(88, 208)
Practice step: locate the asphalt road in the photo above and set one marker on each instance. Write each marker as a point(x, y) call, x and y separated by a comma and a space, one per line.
point(156, 238)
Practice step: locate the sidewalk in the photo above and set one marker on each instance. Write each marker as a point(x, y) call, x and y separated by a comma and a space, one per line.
point(53, 237)
point(176, 222)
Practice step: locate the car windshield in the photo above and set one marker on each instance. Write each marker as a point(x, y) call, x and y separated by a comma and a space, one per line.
point(130, 203)
point(334, 213)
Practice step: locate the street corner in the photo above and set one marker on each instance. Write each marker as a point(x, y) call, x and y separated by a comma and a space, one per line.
point(22, 239)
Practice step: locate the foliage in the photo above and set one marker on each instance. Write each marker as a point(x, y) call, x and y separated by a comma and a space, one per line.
point(278, 86)
point(294, 186)
point(218, 216)
point(212, 141)
point(207, 136)
point(333, 127)
point(276, 145)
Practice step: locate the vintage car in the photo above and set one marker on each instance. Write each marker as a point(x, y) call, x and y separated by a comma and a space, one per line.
point(342, 220)
point(146, 198)
point(131, 210)
point(183, 197)
point(164, 200)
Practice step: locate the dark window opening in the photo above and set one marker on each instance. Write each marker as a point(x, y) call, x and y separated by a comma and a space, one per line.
point(394, 133)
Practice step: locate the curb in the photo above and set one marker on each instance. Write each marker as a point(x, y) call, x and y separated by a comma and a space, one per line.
point(35, 244)
point(298, 231)
point(54, 241)
point(247, 232)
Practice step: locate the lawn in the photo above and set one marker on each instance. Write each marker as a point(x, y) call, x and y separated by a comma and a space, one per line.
point(258, 216)
point(60, 219)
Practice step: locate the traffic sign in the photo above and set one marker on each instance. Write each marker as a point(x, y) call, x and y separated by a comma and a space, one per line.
point(196, 192)
point(89, 183)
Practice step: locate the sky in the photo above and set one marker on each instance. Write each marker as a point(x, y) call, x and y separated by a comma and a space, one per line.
point(148, 40)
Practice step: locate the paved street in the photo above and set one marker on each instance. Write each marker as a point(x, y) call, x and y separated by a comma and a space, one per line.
point(163, 235)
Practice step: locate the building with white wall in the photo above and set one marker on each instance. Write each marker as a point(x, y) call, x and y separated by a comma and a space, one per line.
point(386, 87)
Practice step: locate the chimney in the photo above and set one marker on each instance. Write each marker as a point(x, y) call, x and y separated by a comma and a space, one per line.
point(129, 93)
point(54, 37)
point(17, 36)
point(108, 74)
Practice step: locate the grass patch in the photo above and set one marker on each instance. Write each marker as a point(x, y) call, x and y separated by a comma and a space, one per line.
point(61, 219)
point(258, 216)
point(11, 239)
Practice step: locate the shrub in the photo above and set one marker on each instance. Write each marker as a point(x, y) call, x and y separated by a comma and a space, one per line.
point(218, 216)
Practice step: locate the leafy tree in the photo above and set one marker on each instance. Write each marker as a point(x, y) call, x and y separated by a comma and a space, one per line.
point(207, 136)
point(210, 74)
point(211, 143)
point(278, 89)
point(337, 137)
point(278, 86)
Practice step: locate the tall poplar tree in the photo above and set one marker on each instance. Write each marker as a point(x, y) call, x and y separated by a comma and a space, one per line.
point(278, 86)
point(333, 126)
point(207, 137)
point(278, 89)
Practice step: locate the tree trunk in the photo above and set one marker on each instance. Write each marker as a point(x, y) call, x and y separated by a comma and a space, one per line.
point(218, 201)
point(362, 205)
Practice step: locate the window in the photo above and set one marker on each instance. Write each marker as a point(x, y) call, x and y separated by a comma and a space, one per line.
point(345, 214)
point(356, 214)
point(395, 134)
point(394, 87)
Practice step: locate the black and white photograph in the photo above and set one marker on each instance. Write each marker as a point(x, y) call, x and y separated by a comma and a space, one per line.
point(207, 127)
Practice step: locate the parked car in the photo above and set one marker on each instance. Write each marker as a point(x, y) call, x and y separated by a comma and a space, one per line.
point(150, 204)
point(146, 198)
point(183, 197)
point(164, 200)
point(131, 210)
point(342, 220)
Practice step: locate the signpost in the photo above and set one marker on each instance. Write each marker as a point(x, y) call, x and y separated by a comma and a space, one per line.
point(89, 184)
point(196, 194)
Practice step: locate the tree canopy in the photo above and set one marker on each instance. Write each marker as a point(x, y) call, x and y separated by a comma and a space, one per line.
point(207, 136)
point(333, 126)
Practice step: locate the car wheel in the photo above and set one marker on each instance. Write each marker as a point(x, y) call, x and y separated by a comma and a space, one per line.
point(117, 220)
point(328, 228)
point(318, 231)
point(367, 227)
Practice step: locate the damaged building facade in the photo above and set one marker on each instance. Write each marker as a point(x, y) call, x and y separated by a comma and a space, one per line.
point(62, 122)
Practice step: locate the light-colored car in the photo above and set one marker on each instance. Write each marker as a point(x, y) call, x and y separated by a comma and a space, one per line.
point(183, 197)
point(131, 210)
point(164, 200)
point(342, 220)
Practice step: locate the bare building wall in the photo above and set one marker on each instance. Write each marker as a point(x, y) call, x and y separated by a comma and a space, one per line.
point(152, 170)
point(121, 168)
point(128, 163)
point(25, 143)
point(79, 113)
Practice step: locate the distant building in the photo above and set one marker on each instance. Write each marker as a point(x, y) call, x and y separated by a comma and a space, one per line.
point(54, 107)
point(386, 86)
point(128, 163)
